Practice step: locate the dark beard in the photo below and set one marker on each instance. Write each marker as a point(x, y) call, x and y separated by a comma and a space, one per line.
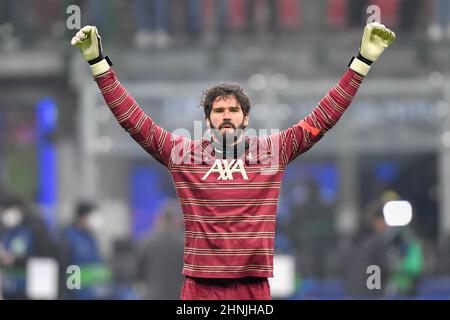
point(228, 139)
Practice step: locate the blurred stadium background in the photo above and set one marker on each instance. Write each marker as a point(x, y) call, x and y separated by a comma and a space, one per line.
point(59, 145)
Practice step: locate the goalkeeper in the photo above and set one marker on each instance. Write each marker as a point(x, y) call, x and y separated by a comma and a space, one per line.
point(228, 186)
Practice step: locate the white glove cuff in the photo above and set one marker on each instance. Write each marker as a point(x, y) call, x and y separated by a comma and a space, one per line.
point(100, 67)
point(359, 67)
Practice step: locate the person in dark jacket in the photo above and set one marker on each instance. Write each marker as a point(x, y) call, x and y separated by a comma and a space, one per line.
point(80, 251)
point(160, 257)
point(24, 236)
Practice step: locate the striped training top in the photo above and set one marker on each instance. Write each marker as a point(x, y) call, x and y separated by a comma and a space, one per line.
point(229, 205)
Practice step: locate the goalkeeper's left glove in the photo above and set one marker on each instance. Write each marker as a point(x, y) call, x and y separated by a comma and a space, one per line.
point(90, 44)
point(375, 40)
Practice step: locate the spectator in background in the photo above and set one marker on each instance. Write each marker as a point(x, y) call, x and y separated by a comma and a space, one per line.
point(311, 231)
point(409, 14)
point(315, 14)
point(250, 8)
point(187, 20)
point(194, 19)
point(11, 24)
point(290, 15)
point(123, 265)
point(24, 236)
point(440, 25)
point(408, 264)
point(160, 257)
point(221, 15)
point(103, 13)
point(357, 12)
point(152, 18)
point(395, 250)
point(371, 247)
point(79, 247)
point(271, 14)
point(273, 23)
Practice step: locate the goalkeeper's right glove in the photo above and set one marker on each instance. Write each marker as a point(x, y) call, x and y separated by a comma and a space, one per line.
point(375, 40)
point(90, 45)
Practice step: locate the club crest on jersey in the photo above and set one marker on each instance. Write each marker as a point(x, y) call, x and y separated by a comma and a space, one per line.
point(225, 168)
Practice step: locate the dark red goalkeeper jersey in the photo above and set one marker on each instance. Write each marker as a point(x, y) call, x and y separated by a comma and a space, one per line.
point(229, 205)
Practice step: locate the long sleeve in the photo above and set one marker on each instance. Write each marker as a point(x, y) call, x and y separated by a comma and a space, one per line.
point(303, 135)
point(152, 138)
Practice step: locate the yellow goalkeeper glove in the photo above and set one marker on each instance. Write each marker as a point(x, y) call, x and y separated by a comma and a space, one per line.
point(375, 40)
point(89, 42)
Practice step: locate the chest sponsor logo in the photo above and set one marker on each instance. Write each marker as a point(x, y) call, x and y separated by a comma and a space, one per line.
point(225, 168)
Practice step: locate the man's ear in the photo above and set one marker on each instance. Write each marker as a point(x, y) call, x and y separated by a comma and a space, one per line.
point(246, 120)
point(208, 123)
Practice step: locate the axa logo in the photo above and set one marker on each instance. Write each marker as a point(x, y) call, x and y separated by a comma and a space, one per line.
point(225, 168)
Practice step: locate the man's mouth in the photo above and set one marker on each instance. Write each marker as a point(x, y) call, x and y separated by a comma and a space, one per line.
point(227, 126)
point(227, 133)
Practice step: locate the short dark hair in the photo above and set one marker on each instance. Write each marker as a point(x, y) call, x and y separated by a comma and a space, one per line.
point(224, 90)
point(13, 202)
point(84, 208)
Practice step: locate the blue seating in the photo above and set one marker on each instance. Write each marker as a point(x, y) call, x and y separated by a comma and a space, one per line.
point(434, 289)
point(321, 290)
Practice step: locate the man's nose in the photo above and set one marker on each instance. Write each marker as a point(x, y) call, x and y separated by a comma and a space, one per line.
point(227, 114)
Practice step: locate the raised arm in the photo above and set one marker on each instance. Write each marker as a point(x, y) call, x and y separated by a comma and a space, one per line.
point(302, 136)
point(152, 138)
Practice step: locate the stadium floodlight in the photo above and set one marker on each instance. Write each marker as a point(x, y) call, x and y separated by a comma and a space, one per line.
point(397, 213)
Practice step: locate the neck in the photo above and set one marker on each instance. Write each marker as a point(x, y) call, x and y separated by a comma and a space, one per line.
point(232, 151)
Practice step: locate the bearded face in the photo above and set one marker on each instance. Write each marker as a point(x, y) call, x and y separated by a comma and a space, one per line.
point(227, 120)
